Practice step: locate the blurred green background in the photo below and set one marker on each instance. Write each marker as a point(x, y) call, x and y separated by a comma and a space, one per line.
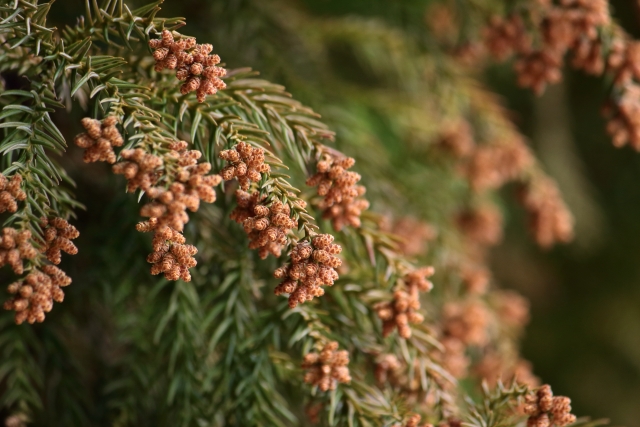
point(584, 337)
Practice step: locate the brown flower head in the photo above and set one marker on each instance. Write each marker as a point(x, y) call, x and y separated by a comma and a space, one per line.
point(58, 234)
point(312, 265)
point(538, 69)
point(415, 235)
point(139, 168)
point(170, 256)
point(246, 163)
point(14, 247)
point(386, 369)
point(476, 279)
point(403, 309)
point(512, 308)
point(466, 321)
point(624, 117)
point(328, 368)
point(550, 221)
point(99, 139)
point(545, 409)
point(266, 226)
point(457, 138)
point(338, 187)
point(481, 224)
point(194, 63)
point(11, 193)
point(491, 166)
point(185, 187)
point(34, 295)
point(503, 37)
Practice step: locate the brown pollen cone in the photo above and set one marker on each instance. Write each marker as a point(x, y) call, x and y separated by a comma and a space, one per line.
point(313, 265)
point(139, 168)
point(546, 410)
point(503, 37)
point(58, 234)
point(170, 256)
point(11, 193)
point(190, 185)
point(342, 202)
point(246, 163)
point(194, 64)
point(403, 310)
point(14, 247)
point(266, 226)
point(328, 368)
point(99, 139)
point(550, 221)
point(34, 295)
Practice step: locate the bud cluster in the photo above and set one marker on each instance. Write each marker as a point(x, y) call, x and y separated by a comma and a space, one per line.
point(35, 294)
point(14, 247)
point(504, 37)
point(170, 256)
point(245, 163)
point(99, 139)
point(387, 369)
point(139, 168)
point(466, 321)
point(481, 224)
point(403, 310)
point(58, 234)
point(11, 193)
point(266, 226)
point(342, 201)
point(491, 166)
point(193, 63)
point(550, 220)
point(186, 184)
point(570, 25)
point(190, 185)
point(475, 279)
point(545, 409)
point(327, 369)
point(312, 266)
point(511, 308)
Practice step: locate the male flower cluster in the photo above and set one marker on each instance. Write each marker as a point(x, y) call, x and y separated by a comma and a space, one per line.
point(35, 294)
point(327, 369)
point(266, 226)
point(312, 266)
point(185, 185)
point(14, 247)
point(11, 193)
point(170, 255)
point(246, 163)
point(193, 63)
point(99, 139)
point(403, 309)
point(58, 234)
point(342, 202)
point(545, 409)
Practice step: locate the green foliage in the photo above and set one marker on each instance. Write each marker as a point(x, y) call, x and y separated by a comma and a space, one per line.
point(223, 350)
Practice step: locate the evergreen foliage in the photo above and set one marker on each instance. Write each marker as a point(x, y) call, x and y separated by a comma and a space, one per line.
point(217, 347)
